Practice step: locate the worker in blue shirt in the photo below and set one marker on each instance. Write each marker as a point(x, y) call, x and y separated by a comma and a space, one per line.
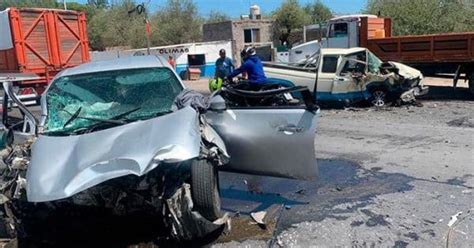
point(224, 65)
point(252, 66)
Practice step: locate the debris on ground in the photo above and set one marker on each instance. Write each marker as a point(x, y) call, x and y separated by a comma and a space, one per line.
point(461, 122)
point(454, 218)
point(301, 191)
point(258, 217)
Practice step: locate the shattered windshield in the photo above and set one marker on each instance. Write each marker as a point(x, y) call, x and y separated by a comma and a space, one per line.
point(374, 63)
point(80, 102)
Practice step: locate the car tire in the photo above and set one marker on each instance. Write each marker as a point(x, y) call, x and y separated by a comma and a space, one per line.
point(378, 97)
point(205, 189)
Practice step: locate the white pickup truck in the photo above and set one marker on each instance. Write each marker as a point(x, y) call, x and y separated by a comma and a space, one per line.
point(351, 75)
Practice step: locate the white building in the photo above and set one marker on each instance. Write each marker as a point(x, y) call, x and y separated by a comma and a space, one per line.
point(201, 55)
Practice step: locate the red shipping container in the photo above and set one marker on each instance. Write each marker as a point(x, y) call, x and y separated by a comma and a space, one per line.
point(45, 41)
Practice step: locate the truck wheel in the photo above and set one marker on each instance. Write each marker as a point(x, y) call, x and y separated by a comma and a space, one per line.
point(378, 97)
point(205, 189)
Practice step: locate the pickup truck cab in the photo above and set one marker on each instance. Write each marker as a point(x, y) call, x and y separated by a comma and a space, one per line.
point(351, 75)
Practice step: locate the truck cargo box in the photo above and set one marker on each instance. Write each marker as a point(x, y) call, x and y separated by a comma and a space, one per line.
point(43, 41)
point(376, 34)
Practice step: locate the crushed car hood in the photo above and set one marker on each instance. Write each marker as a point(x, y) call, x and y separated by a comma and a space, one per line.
point(407, 71)
point(62, 166)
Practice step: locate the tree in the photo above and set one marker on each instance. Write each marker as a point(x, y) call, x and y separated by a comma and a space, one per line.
point(318, 12)
point(425, 16)
point(216, 16)
point(98, 3)
point(115, 26)
point(289, 16)
point(178, 22)
point(96, 26)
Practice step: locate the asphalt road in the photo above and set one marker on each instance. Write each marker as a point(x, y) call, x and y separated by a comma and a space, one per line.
point(388, 178)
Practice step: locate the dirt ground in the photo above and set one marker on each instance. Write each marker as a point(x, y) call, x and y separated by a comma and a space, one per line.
point(391, 177)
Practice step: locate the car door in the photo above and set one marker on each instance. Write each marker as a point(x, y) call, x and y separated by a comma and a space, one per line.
point(268, 141)
point(326, 74)
point(349, 74)
point(298, 76)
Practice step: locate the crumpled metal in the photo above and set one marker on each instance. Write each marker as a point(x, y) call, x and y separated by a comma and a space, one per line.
point(62, 166)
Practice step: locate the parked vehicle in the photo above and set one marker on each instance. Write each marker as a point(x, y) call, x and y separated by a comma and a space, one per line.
point(434, 53)
point(125, 135)
point(352, 75)
point(43, 42)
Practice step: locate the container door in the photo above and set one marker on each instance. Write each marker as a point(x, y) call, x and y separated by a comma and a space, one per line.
point(33, 44)
point(71, 37)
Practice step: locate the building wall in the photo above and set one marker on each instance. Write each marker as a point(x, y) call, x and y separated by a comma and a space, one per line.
point(238, 27)
point(217, 31)
point(234, 30)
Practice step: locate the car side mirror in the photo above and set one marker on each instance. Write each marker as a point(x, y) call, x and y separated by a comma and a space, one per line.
point(217, 103)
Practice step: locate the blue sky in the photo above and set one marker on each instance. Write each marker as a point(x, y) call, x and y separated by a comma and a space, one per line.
point(235, 8)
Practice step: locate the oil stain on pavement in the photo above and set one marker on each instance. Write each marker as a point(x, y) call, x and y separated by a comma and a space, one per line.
point(339, 182)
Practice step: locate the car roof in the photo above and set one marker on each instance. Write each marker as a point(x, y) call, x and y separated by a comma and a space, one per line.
point(133, 62)
point(342, 51)
point(351, 17)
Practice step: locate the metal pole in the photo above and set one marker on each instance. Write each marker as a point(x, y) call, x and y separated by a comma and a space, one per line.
point(65, 6)
point(304, 33)
point(147, 34)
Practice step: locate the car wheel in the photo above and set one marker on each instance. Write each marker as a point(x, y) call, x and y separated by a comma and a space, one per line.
point(378, 97)
point(205, 189)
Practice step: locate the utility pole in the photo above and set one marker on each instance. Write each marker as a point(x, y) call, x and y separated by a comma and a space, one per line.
point(148, 31)
point(65, 6)
point(140, 9)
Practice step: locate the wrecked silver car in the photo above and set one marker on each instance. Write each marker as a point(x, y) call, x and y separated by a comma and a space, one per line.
point(125, 136)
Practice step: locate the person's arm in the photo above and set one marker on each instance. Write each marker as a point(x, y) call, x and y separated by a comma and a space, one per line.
point(232, 66)
point(243, 68)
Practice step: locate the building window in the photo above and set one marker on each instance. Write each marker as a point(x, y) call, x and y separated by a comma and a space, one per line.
point(251, 35)
point(196, 59)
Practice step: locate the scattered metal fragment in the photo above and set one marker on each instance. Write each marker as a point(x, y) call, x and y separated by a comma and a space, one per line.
point(454, 218)
point(185, 223)
point(258, 217)
point(301, 191)
point(453, 222)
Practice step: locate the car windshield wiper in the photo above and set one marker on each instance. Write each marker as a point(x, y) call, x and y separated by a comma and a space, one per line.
point(161, 113)
point(117, 119)
point(122, 115)
point(73, 116)
point(113, 120)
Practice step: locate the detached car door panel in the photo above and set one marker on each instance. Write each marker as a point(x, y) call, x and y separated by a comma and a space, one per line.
point(268, 141)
